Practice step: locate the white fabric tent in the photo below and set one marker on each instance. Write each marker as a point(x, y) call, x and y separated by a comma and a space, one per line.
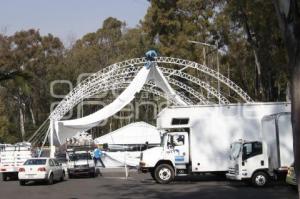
point(60, 130)
point(135, 133)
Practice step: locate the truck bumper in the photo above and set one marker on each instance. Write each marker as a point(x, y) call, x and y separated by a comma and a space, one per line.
point(143, 169)
point(81, 171)
point(233, 176)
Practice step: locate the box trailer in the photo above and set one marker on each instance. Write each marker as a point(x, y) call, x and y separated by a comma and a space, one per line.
point(196, 139)
point(267, 158)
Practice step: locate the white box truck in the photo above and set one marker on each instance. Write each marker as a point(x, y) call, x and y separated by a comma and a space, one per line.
point(268, 158)
point(12, 157)
point(196, 139)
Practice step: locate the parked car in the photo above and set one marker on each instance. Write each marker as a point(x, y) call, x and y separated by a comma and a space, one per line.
point(41, 169)
point(291, 177)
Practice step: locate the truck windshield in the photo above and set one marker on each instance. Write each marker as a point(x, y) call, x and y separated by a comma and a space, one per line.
point(163, 140)
point(235, 150)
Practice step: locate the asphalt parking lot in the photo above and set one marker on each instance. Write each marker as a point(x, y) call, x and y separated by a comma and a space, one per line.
point(112, 184)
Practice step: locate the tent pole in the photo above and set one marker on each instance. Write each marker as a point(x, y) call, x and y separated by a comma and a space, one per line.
point(52, 147)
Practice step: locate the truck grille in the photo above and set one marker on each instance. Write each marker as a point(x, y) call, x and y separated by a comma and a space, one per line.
point(81, 166)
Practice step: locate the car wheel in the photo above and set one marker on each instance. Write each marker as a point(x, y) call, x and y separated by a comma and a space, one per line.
point(62, 178)
point(260, 179)
point(22, 182)
point(164, 174)
point(50, 180)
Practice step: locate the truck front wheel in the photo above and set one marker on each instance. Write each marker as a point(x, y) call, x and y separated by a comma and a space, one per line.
point(260, 179)
point(164, 174)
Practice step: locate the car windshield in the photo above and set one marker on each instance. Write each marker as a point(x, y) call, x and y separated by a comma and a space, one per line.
point(35, 162)
point(80, 156)
point(235, 150)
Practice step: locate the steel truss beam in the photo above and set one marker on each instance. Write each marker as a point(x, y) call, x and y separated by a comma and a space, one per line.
point(96, 82)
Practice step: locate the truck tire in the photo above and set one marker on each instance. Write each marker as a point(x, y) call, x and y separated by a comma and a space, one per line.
point(4, 177)
point(22, 182)
point(164, 173)
point(260, 179)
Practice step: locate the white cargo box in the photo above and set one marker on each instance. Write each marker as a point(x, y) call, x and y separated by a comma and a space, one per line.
point(213, 127)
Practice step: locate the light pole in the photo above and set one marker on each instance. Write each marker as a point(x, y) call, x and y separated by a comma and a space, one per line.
point(215, 47)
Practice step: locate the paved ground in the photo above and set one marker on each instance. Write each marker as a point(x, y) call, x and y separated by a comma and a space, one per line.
point(113, 185)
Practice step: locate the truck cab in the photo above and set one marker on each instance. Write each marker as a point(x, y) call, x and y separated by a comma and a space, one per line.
point(168, 160)
point(80, 162)
point(249, 161)
point(269, 158)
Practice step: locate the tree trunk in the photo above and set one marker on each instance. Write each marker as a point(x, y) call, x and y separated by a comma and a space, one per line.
point(259, 90)
point(32, 116)
point(258, 70)
point(22, 126)
point(296, 119)
point(289, 23)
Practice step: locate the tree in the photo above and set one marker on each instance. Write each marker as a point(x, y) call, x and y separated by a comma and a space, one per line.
point(170, 24)
point(259, 29)
point(289, 22)
point(29, 56)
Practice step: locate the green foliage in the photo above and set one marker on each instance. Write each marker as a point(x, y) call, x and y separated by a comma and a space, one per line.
point(257, 29)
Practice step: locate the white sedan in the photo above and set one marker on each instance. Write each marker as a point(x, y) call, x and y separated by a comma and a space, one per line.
point(41, 169)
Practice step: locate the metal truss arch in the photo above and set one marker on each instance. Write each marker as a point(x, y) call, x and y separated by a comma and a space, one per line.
point(93, 84)
point(208, 71)
point(119, 80)
point(148, 88)
point(172, 81)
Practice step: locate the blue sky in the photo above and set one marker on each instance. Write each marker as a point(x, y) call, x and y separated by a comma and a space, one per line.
point(67, 19)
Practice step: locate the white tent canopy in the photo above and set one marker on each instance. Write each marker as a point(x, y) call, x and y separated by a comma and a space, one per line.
point(60, 130)
point(135, 133)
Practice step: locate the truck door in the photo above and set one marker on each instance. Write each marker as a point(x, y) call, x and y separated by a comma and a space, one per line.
point(180, 143)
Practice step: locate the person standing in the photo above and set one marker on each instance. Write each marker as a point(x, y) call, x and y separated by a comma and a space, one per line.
point(97, 157)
